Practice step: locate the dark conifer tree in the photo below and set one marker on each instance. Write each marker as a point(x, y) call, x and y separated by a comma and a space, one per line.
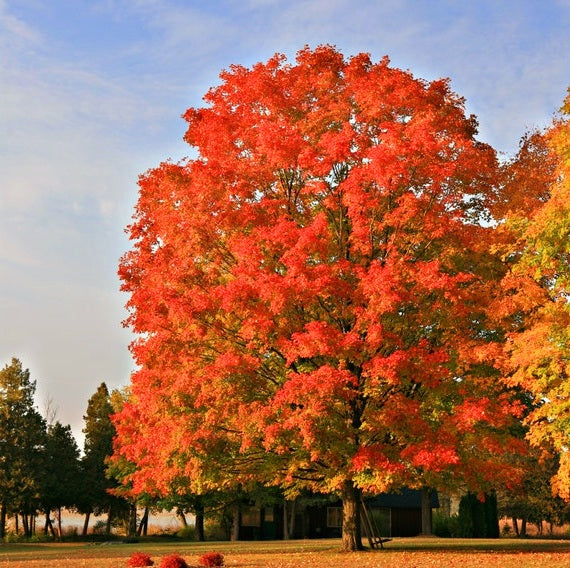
point(22, 439)
point(99, 432)
point(62, 479)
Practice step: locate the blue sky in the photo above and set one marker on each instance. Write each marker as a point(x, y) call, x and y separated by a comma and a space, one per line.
point(91, 93)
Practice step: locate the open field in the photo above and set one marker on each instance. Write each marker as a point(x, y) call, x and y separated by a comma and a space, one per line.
point(400, 553)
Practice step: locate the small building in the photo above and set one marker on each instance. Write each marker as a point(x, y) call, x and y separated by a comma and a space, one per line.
point(400, 514)
point(393, 515)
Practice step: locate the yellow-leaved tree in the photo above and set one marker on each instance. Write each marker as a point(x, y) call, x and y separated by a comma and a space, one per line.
point(538, 302)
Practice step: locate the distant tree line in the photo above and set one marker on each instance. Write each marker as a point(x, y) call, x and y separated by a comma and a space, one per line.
point(41, 468)
point(43, 472)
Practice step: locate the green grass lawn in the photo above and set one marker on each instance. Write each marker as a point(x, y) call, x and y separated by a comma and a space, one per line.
point(399, 553)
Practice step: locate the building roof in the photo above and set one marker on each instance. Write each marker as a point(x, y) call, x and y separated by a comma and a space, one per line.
point(402, 499)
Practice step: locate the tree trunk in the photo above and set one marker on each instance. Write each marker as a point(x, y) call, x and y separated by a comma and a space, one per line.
point(199, 522)
point(285, 521)
point(426, 512)
point(59, 527)
point(523, 527)
point(180, 514)
point(86, 523)
point(235, 524)
point(351, 533)
point(49, 526)
point(292, 519)
point(516, 526)
point(109, 521)
point(288, 519)
point(2, 520)
point(144, 523)
point(132, 531)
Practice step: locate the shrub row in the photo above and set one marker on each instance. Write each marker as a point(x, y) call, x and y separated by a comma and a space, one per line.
point(141, 559)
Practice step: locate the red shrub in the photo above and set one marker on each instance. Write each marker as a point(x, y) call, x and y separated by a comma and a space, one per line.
point(139, 559)
point(211, 559)
point(173, 561)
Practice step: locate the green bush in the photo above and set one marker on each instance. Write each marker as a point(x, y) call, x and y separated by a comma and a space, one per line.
point(187, 533)
point(12, 537)
point(446, 526)
point(214, 530)
point(478, 519)
point(100, 527)
point(441, 525)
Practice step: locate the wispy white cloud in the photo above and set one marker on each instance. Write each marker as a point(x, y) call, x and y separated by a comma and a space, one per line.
point(67, 183)
point(14, 31)
point(497, 54)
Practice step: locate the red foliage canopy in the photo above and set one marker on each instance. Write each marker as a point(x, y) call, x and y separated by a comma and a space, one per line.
point(310, 291)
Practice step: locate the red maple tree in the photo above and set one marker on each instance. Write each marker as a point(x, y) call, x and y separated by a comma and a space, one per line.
point(310, 292)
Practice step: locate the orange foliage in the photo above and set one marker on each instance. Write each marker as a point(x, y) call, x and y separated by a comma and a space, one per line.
point(535, 305)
